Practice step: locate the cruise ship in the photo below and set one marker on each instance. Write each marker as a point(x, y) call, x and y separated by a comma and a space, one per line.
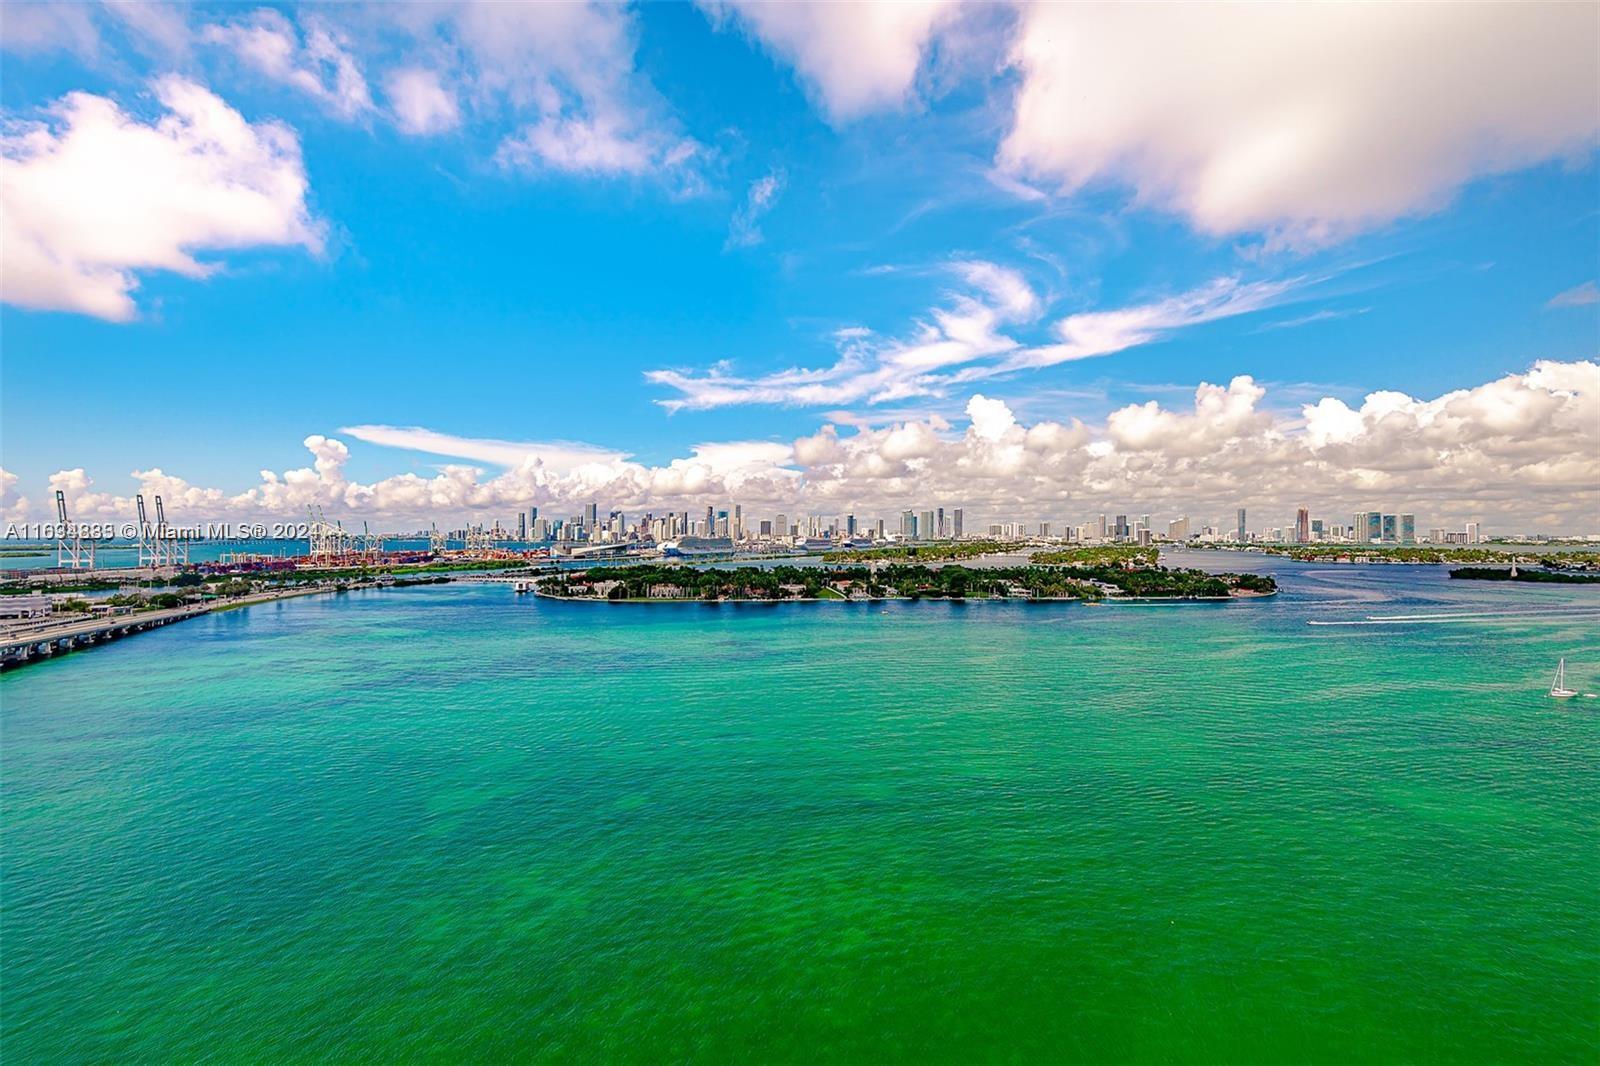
point(694, 547)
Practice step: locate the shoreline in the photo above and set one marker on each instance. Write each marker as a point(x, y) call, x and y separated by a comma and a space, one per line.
point(1384, 556)
point(636, 601)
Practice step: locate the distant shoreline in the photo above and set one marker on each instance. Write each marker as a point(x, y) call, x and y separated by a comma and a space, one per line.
point(648, 600)
point(1558, 557)
point(1535, 576)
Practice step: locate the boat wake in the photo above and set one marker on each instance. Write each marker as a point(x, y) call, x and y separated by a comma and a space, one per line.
point(1553, 615)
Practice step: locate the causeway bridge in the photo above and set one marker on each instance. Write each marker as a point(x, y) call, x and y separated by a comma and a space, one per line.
point(20, 645)
point(31, 642)
point(28, 643)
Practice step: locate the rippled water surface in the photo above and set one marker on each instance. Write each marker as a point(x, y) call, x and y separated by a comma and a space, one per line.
point(449, 821)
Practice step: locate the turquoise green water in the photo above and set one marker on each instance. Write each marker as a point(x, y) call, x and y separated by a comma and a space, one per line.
point(451, 823)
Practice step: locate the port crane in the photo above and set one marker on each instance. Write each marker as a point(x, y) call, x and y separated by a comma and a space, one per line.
point(174, 549)
point(72, 551)
point(371, 543)
point(158, 546)
point(149, 549)
point(326, 541)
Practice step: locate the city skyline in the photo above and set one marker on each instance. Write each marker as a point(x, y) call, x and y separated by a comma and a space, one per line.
point(731, 522)
point(476, 258)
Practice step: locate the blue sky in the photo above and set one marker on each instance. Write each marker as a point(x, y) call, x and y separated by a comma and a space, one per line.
point(726, 194)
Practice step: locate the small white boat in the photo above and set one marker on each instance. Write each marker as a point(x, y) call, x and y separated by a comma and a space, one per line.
point(1558, 688)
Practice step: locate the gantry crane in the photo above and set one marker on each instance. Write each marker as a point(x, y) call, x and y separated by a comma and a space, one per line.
point(71, 551)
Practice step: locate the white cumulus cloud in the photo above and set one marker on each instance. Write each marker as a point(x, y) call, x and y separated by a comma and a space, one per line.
point(1520, 451)
point(856, 57)
point(421, 103)
point(14, 507)
point(93, 196)
point(1306, 121)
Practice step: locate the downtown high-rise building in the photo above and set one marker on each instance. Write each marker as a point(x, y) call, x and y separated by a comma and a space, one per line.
point(1408, 529)
point(925, 528)
point(955, 523)
point(1368, 527)
point(1241, 533)
point(1302, 526)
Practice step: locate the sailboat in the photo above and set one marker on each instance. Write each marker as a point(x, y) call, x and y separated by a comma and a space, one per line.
point(1558, 688)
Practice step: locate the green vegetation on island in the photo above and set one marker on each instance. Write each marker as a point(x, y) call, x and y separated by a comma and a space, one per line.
point(1537, 575)
point(655, 583)
point(1415, 553)
point(937, 551)
point(1098, 555)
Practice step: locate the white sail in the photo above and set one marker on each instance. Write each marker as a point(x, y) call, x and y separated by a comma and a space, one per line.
point(1558, 688)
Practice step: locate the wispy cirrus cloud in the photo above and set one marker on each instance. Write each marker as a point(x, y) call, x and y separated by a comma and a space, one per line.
point(1583, 295)
point(569, 74)
point(972, 337)
point(873, 369)
point(556, 455)
point(315, 58)
point(1095, 333)
point(1315, 317)
point(744, 229)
